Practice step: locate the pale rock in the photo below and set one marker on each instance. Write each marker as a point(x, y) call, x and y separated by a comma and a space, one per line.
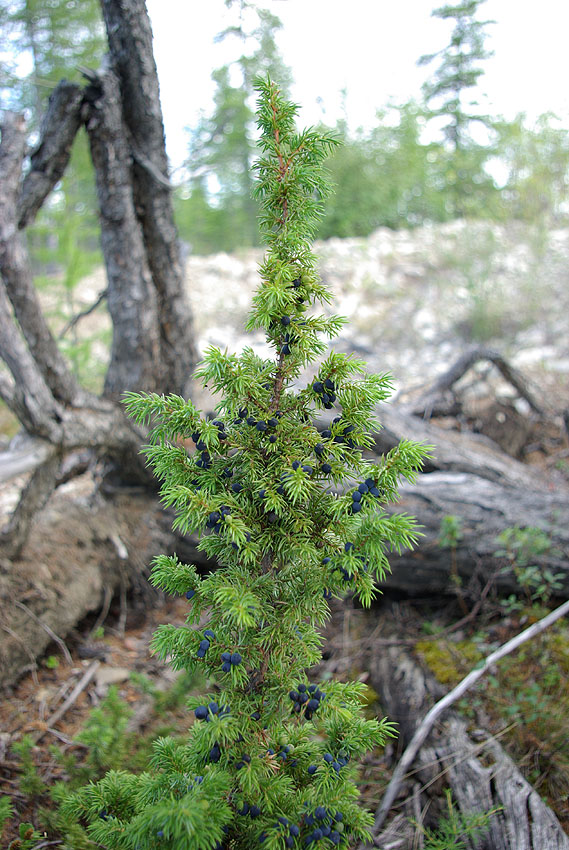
point(107, 675)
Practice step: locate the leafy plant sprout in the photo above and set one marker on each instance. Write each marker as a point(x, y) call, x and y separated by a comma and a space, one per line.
point(293, 516)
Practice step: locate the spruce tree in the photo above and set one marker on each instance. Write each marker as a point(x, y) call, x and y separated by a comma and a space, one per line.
point(468, 185)
point(293, 515)
point(222, 145)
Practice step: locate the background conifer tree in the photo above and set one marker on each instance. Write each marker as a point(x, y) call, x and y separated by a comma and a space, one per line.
point(220, 212)
point(293, 516)
point(446, 94)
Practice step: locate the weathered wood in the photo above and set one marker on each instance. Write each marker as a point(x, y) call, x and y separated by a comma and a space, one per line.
point(130, 41)
point(471, 478)
point(426, 724)
point(49, 160)
point(153, 346)
point(480, 773)
point(34, 497)
point(16, 272)
point(485, 509)
point(439, 399)
point(135, 349)
point(454, 451)
point(25, 454)
point(28, 396)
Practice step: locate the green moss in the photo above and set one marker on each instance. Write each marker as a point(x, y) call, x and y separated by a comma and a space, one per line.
point(449, 662)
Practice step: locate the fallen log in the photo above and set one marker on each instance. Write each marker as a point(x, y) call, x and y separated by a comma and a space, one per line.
point(480, 774)
point(427, 723)
point(469, 477)
point(484, 509)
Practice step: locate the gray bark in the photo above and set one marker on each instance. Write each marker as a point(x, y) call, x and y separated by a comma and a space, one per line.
point(49, 160)
point(130, 40)
point(34, 497)
point(16, 272)
point(135, 352)
point(481, 775)
point(153, 348)
point(470, 477)
point(485, 509)
point(28, 395)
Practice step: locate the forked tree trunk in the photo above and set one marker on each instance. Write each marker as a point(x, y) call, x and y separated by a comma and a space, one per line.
point(153, 349)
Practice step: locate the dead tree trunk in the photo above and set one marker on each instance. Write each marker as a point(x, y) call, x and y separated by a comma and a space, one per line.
point(131, 299)
point(153, 347)
point(130, 42)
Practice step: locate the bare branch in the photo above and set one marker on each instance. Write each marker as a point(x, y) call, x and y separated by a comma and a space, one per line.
point(433, 401)
point(30, 399)
point(7, 390)
point(71, 699)
point(49, 160)
point(150, 167)
point(49, 631)
point(16, 272)
point(78, 316)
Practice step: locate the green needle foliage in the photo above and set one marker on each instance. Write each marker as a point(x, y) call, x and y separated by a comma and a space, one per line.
point(293, 516)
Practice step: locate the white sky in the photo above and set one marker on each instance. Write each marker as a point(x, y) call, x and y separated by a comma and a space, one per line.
point(368, 47)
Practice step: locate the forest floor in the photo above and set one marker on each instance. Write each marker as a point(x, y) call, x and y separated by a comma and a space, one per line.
point(524, 703)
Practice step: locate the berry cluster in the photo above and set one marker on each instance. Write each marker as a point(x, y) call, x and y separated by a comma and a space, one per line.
point(284, 826)
point(230, 659)
point(207, 712)
point(204, 461)
point(288, 339)
point(337, 763)
point(205, 644)
point(341, 436)
point(260, 425)
point(215, 518)
point(283, 755)
point(308, 698)
point(324, 823)
point(367, 486)
point(252, 811)
point(326, 391)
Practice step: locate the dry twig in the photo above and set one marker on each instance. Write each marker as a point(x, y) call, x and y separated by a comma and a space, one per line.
point(80, 686)
point(59, 641)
